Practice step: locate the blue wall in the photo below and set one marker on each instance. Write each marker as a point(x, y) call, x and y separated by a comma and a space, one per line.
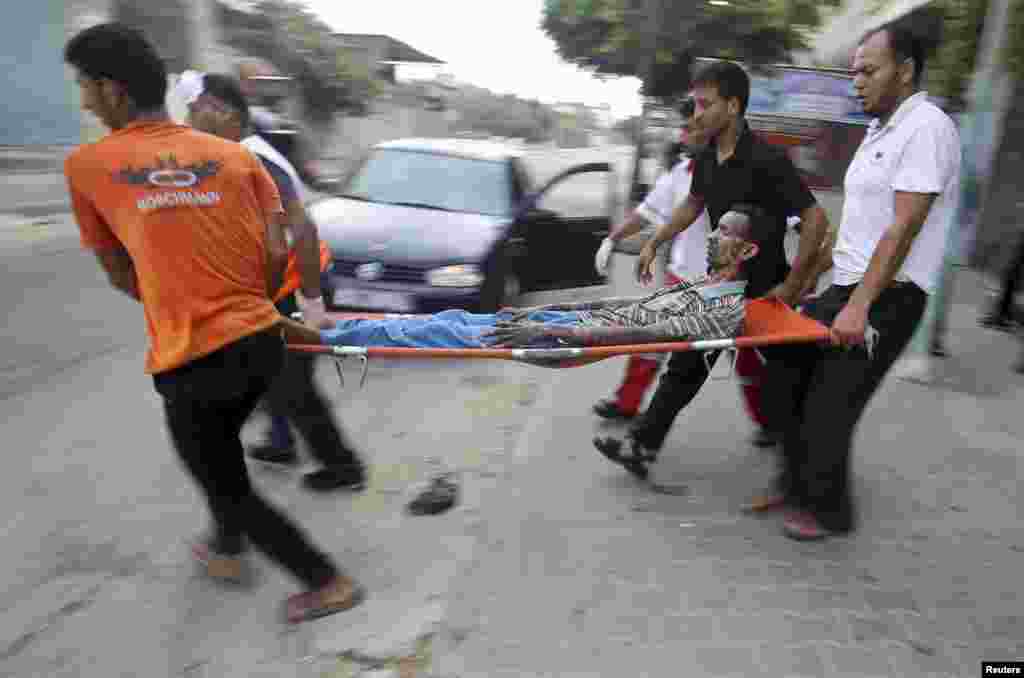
point(38, 103)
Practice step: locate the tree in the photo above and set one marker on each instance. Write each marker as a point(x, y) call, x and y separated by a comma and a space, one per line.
point(658, 40)
point(298, 43)
point(954, 62)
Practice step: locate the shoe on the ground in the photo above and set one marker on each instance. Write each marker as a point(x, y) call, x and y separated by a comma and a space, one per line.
point(609, 408)
point(351, 477)
point(439, 495)
point(764, 503)
point(274, 456)
point(339, 595)
point(635, 460)
point(223, 567)
point(994, 321)
point(803, 526)
point(764, 438)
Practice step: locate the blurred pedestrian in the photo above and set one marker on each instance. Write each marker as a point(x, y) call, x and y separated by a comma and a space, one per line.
point(190, 226)
point(220, 108)
point(900, 195)
point(1003, 313)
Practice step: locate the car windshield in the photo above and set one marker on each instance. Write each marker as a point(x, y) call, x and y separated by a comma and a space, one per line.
point(432, 180)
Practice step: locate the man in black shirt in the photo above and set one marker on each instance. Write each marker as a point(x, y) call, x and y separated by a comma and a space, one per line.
point(737, 167)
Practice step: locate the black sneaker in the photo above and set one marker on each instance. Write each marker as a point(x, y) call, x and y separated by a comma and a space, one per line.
point(327, 479)
point(439, 495)
point(274, 456)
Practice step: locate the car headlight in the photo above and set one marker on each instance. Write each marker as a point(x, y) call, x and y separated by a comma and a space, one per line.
point(461, 275)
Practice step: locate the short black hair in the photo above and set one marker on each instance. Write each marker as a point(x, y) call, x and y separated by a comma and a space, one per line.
point(731, 81)
point(905, 44)
point(229, 90)
point(113, 51)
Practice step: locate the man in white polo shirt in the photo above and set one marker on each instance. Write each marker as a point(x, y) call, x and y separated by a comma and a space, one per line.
point(901, 191)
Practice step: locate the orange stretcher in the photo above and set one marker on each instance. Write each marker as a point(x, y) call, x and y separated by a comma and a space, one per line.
point(767, 322)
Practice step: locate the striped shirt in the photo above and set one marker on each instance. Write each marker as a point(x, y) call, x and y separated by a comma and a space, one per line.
point(690, 311)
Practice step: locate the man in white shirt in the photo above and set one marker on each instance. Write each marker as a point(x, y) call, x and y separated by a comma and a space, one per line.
point(901, 192)
point(687, 261)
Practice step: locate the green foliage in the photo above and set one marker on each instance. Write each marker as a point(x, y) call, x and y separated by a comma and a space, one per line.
point(298, 43)
point(953, 64)
point(657, 40)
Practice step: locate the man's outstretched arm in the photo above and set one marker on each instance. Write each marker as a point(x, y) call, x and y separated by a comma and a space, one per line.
point(718, 323)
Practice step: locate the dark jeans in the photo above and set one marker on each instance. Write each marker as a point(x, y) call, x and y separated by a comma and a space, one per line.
point(206, 402)
point(682, 380)
point(1004, 307)
point(294, 398)
point(815, 397)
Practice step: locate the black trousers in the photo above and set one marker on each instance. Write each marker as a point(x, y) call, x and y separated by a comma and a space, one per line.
point(206, 402)
point(1011, 281)
point(295, 397)
point(815, 397)
point(679, 384)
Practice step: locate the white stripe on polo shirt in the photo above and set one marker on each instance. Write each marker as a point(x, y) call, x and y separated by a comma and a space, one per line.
point(917, 151)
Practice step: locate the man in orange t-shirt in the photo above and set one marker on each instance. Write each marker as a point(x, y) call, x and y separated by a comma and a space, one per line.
point(190, 226)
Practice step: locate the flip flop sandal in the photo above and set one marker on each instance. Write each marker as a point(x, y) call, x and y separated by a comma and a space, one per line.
point(218, 566)
point(439, 495)
point(802, 526)
point(304, 606)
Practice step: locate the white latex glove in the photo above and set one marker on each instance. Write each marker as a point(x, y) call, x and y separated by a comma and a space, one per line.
point(313, 312)
point(604, 256)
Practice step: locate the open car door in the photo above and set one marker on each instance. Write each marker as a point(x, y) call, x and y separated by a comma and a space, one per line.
point(562, 226)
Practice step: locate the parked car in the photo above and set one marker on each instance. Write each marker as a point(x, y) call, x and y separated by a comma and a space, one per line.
point(422, 225)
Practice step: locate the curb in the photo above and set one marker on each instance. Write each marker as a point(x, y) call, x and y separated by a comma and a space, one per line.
point(36, 210)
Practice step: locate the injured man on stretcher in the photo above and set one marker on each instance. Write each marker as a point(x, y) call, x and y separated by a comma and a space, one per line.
point(711, 307)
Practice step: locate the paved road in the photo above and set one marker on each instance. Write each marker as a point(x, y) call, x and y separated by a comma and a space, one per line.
point(554, 563)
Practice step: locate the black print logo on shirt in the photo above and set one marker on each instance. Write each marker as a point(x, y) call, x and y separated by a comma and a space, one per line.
point(168, 173)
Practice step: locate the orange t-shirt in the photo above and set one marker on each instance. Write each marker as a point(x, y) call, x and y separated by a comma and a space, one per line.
point(190, 209)
point(292, 276)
